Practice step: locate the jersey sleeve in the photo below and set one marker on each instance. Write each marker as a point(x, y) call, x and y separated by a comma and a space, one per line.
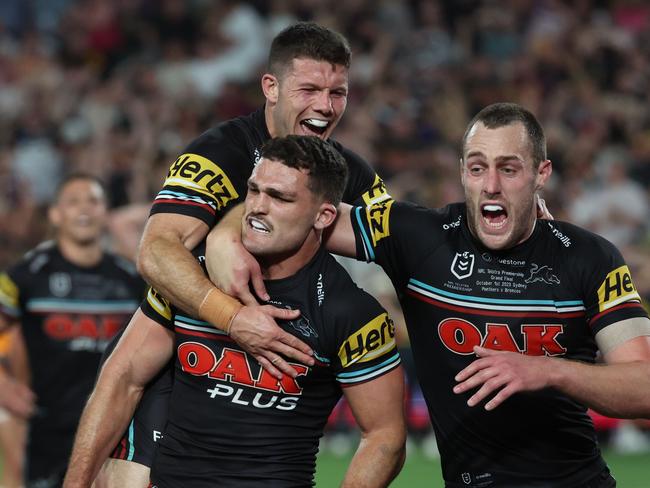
point(387, 233)
point(9, 297)
point(158, 309)
point(609, 290)
point(364, 186)
point(204, 181)
point(364, 344)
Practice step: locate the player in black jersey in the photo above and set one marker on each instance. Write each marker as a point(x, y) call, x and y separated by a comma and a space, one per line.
point(306, 93)
point(231, 423)
point(70, 298)
point(535, 300)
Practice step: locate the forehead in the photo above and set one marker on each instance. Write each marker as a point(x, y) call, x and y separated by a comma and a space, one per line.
point(81, 187)
point(511, 139)
point(306, 70)
point(270, 173)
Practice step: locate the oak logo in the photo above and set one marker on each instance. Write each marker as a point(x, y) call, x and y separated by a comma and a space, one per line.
point(460, 336)
point(378, 220)
point(371, 341)
point(197, 173)
point(616, 288)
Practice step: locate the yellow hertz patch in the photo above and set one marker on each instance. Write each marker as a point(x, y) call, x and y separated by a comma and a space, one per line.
point(616, 288)
point(377, 192)
point(202, 175)
point(371, 341)
point(159, 304)
point(378, 216)
point(8, 291)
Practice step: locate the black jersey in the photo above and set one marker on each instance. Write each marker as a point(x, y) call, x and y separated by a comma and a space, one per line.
point(547, 296)
point(68, 314)
point(230, 422)
point(213, 171)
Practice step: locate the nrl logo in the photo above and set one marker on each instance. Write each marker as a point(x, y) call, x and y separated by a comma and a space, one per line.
point(543, 274)
point(463, 265)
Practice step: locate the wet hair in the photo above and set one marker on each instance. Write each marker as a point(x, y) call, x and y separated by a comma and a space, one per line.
point(307, 40)
point(76, 176)
point(502, 114)
point(328, 171)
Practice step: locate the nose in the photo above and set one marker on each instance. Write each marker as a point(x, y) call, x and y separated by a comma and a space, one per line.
point(492, 182)
point(259, 203)
point(323, 102)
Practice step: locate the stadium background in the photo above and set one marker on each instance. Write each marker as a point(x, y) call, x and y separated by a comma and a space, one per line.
point(118, 88)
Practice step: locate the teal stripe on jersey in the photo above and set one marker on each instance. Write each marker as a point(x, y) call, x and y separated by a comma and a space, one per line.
point(370, 255)
point(187, 320)
point(131, 443)
point(75, 306)
point(498, 301)
point(361, 372)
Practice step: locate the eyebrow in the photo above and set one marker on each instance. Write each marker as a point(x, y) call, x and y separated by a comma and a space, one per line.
point(499, 159)
point(272, 192)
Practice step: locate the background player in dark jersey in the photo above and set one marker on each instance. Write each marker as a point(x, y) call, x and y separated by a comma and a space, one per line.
point(70, 297)
point(234, 424)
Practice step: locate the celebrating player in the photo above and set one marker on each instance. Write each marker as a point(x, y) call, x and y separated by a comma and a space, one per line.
point(231, 423)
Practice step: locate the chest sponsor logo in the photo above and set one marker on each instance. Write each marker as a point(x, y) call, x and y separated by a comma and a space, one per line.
point(543, 274)
point(371, 341)
point(460, 336)
point(83, 332)
point(378, 216)
point(232, 370)
point(60, 284)
point(202, 175)
point(617, 287)
point(463, 265)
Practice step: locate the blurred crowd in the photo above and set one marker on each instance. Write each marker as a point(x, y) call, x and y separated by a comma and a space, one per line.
point(118, 88)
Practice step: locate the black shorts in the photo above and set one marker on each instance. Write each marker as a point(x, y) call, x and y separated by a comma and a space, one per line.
point(140, 439)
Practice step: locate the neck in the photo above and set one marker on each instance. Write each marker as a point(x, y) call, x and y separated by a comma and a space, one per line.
point(84, 255)
point(268, 118)
point(288, 264)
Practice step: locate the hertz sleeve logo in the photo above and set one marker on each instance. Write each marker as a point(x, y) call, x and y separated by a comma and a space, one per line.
point(378, 216)
point(159, 304)
point(374, 339)
point(197, 173)
point(376, 193)
point(616, 288)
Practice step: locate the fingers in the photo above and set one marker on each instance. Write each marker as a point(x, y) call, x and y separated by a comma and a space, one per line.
point(245, 296)
point(293, 348)
point(281, 313)
point(268, 366)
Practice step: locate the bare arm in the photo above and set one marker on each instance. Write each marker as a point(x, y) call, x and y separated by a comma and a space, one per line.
point(15, 394)
point(166, 263)
point(619, 388)
point(144, 349)
point(378, 407)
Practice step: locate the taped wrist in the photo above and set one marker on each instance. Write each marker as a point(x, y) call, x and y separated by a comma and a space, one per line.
point(219, 309)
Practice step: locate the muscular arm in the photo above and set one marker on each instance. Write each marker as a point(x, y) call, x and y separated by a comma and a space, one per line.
point(165, 261)
point(378, 407)
point(339, 238)
point(618, 388)
point(142, 351)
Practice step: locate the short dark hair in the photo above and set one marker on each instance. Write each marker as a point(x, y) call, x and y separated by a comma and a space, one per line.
point(79, 175)
point(327, 170)
point(307, 40)
point(502, 114)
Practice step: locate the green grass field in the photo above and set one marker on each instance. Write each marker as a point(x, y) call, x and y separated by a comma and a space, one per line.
point(631, 471)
